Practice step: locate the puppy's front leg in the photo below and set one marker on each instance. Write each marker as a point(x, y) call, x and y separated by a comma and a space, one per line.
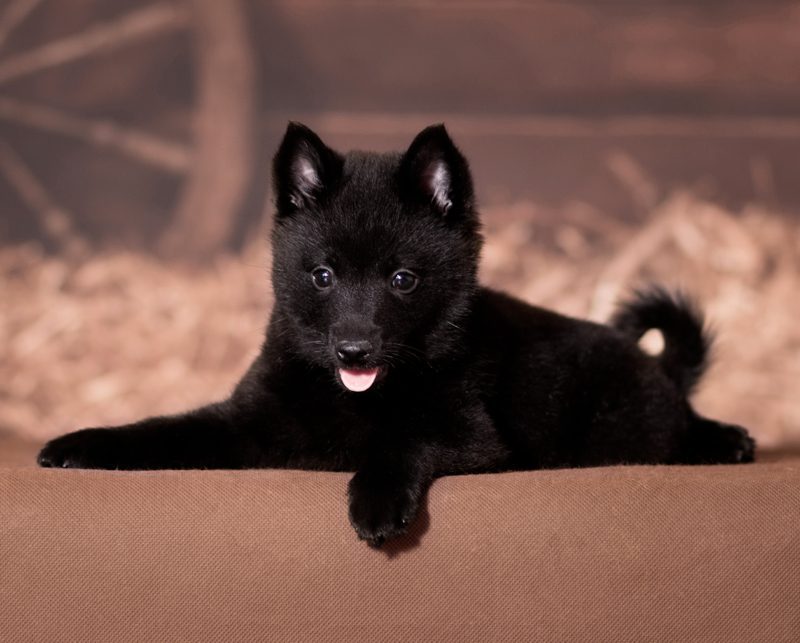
point(386, 491)
point(207, 438)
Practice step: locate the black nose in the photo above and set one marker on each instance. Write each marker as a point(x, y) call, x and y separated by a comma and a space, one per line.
point(353, 352)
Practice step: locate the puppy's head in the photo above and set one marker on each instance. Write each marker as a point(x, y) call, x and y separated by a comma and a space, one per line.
point(375, 255)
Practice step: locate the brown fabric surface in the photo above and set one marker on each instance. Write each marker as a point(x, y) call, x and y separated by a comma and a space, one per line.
point(622, 554)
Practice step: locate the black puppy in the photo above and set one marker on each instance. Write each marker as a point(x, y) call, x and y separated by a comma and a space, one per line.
point(385, 357)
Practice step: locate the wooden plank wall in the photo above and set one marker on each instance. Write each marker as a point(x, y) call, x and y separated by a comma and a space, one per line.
point(546, 97)
point(557, 103)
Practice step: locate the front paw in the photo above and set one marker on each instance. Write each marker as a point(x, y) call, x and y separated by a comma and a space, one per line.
point(379, 509)
point(86, 449)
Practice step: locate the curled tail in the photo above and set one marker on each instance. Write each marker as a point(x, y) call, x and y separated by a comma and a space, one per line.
point(687, 343)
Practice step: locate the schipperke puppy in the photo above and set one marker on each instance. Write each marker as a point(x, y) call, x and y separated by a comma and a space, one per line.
point(385, 357)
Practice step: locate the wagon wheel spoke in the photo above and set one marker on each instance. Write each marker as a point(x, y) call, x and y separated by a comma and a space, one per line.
point(100, 37)
point(141, 146)
point(213, 168)
point(54, 220)
point(13, 15)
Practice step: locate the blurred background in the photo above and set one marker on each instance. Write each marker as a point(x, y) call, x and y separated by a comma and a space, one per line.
point(613, 144)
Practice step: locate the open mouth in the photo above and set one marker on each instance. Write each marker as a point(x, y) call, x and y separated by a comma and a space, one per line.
point(358, 380)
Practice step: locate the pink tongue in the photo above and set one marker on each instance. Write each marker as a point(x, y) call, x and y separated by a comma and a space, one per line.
point(358, 380)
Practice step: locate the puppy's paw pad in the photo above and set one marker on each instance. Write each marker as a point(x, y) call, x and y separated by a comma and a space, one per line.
point(737, 445)
point(378, 516)
point(87, 449)
point(48, 459)
point(55, 456)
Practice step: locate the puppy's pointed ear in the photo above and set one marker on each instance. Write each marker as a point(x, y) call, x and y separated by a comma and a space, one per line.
point(434, 172)
point(304, 170)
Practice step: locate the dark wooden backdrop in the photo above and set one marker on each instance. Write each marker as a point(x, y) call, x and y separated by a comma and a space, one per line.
point(151, 123)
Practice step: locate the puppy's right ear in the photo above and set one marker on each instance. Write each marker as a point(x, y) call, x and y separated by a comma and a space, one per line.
point(433, 172)
point(304, 170)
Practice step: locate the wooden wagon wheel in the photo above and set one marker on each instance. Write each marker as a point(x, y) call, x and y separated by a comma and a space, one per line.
point(212, 165)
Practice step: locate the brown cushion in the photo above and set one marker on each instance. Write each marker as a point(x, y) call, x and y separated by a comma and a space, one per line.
point(622, 554)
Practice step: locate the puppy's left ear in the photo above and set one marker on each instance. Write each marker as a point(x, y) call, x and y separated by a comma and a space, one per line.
point(305, 171)
point(434, 172)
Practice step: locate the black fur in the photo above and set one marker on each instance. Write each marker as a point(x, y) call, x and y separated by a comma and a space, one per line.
point(469, 380)
point(686, 341)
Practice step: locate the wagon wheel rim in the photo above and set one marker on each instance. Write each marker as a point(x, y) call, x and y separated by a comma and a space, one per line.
point(216, 167)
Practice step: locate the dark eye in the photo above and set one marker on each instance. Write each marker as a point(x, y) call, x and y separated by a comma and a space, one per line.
point(322, 278)
point(404, 281)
